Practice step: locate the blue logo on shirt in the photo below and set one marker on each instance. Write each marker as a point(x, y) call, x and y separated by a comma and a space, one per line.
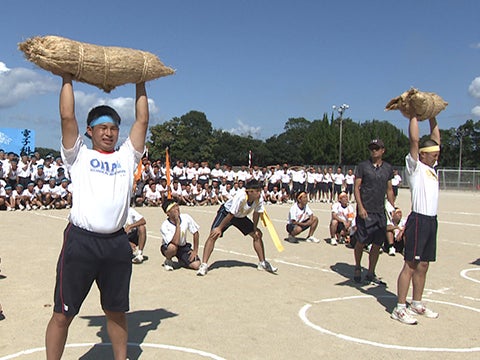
point(106, 167)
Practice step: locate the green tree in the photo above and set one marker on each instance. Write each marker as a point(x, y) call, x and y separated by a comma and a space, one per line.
point(189, 137)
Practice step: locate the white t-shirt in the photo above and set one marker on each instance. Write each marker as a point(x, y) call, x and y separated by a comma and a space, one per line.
point(396, 180)
point(152, 195)
point(186, 224)
point(349, 179)
point(423, 182)
point(133, 216)
point(217, 174)
point(345, 213)
point(298, 176)
point(285, 176)
point(239, 207)
point(338, 178)
point(299, 215)
point(103, 185)
point(204, 173)
point(191, 173)
point(242, 175)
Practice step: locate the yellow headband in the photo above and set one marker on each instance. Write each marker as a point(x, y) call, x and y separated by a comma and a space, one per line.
point(169, 207)
point(300, 194)
point(430, 148)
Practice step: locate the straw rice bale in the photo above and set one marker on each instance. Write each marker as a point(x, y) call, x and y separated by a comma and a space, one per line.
point(424, 105)
point(103, 66)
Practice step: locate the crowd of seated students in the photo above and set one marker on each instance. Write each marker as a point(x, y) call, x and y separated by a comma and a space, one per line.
point(30, 182)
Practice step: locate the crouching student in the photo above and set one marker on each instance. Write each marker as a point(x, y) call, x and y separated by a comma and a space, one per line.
point(174, 237)
point(301, 218)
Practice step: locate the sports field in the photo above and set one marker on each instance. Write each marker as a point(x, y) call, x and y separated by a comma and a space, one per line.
point(311, 309)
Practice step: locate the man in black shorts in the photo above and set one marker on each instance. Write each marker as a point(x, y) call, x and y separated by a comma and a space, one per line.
point(373, 180)
point(421, 227)
point(95, 246)
point(234, 212)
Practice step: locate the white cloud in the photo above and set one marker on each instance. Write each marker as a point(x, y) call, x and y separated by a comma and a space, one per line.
point(475, 46)
point(19, 84)
point(476, 111)
point(3, 67)
point(246, 130)
point(474, 88)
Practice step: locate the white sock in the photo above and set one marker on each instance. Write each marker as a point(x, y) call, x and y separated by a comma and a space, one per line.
point(416, 303)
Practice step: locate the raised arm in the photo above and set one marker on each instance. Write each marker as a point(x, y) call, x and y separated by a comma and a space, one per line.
point(139, 128)
point(434, 130)
point(414, 136)
point(67, 113)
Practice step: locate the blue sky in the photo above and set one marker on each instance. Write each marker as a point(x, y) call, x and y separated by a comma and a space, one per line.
point(251, 65)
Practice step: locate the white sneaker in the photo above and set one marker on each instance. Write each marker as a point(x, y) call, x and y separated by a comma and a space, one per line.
point(138, 259)
point(333, 241)
point(168, 265)
point(29, 207)
point(21, 207)
point(422, 310)
point(391, 251)
point(203, 269)
point(9, 208)
point(313, 239)
point(402, 315)
point(265, 265)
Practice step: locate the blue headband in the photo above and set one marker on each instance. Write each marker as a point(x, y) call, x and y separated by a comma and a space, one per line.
point(102, 120)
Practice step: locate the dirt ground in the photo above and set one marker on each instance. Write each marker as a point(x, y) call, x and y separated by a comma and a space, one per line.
point(311, 309)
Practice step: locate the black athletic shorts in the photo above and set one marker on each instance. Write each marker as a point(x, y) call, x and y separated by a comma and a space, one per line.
point(311, 188)
point(395, 190)
point(290, 227)
point(245, 225)
point(133, 236)
point(420, 237)
point(349, 188)
point(337, 188)
point(87, 257)
point(372, 230)
point(340, 227)
point(183, 254)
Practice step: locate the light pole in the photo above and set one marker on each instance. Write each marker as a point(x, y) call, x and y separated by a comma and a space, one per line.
point(460, 134)
point(340, 109)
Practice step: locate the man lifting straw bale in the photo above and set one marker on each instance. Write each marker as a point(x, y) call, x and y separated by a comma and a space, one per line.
point(96, 247)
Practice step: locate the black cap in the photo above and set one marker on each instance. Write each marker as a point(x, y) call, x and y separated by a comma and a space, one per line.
point(376, 142)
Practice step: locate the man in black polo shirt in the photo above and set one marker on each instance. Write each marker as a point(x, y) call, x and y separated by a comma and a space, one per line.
point(373, 180)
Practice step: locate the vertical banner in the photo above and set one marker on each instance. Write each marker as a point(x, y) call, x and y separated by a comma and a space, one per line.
point(249, 159)
point(17, 141)
point(167, 170)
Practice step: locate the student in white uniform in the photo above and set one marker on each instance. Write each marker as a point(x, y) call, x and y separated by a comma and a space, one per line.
point(174, 237)
point(301, 218)
point(234, 212)
point(421, 227)
point(95, 247)
point(136, 230)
